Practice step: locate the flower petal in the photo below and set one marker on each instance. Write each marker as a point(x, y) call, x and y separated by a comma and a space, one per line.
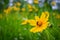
point(36, 29)
point(32, 22)
point(45, 20)
point(36, 18)
point(33, 29)
point(44, 26)
point(47, 14)
point(24, 22)
point(44, 17)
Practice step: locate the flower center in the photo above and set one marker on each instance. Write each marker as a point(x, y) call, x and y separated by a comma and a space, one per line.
point(39, 24)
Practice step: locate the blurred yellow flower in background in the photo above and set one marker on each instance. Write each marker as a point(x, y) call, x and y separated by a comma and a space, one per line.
point(5, 11)
point(8, 10)
point(29, 6)
point(23, 9)
point(36, 1)
point(16, 8)
point(53, 3)
point(18, 4)
point(39, 23)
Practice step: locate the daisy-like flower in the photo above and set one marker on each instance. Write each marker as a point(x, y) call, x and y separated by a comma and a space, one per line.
point(39, 23)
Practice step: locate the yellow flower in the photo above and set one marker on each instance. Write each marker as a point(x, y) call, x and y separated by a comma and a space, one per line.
point(8, 10)
point(15, 8)
point(5, 11)
point(23, 9)
point(29, 6)
point(18, 4)
point(39, 23)
point(35, 9)
point(53, 3)
point(36, 1)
